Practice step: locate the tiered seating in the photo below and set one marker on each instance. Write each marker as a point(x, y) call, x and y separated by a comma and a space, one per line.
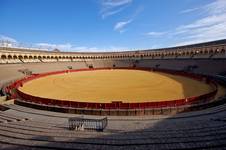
point(42, 129)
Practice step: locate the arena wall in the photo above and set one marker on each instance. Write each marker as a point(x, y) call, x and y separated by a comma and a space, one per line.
point(113, 108)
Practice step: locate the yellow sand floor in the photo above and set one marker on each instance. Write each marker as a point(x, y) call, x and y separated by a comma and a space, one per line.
point(115, 85)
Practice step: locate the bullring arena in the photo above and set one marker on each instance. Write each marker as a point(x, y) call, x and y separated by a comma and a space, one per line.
point(170, 98)
point(110, 85)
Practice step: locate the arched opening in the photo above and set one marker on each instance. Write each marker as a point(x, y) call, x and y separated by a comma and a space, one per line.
point(217, 50)
point(14, 57)
point(211, 51)
point(3, 57)
point(201, 52)
point(10, 57)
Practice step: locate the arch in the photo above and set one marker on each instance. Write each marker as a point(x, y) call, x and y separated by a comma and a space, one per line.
point(211, 51)
point(25, 57)
point(14, 56)
point(197, 51)
point(35, 57)
point(3, 56)
point(10, 57)
point(201, 51)
point(20, 57)
point(217, 50)
point(30, 57)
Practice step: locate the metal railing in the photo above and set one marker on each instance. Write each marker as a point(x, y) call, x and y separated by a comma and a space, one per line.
point(78, 123)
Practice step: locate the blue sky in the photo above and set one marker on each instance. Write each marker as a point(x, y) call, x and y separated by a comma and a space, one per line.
point(111, 25)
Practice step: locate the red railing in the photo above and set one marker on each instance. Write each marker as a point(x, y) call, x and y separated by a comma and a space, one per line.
point(115, 104)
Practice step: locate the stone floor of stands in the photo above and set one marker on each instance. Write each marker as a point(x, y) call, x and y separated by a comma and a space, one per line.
point(27, 128)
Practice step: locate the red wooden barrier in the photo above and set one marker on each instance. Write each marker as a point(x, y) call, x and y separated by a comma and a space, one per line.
point(115, 104)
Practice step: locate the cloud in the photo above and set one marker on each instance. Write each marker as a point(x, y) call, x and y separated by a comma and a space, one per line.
point(112, 7)
point(204, 22)
point(210, 26)
point(156, 33)
point(216, 7)
point(113, 12)
point(62, 47)
point(53, 46)
point(114, 3)
point(189, 10)
point(119, 26)
point(104, 49)
point(4, 38)
point(207, 28)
